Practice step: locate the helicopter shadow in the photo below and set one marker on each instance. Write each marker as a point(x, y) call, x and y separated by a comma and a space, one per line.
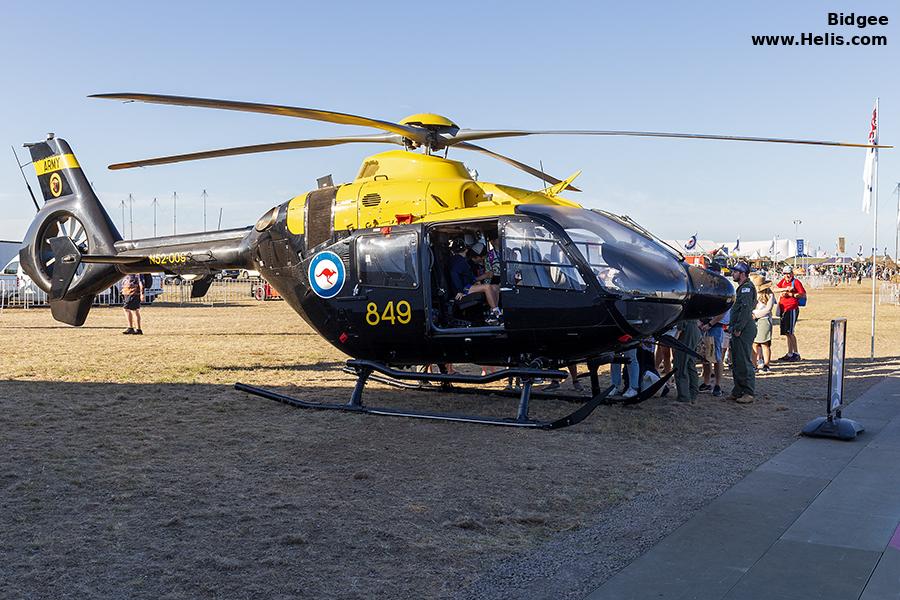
point(319, 366)
point(262, 334)
point(33, 327)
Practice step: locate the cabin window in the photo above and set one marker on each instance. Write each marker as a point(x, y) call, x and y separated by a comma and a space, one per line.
point(535, 258)
point(12, 268)
point(388, 260)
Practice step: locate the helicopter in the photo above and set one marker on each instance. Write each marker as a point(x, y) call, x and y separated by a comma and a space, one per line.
point(369, 264)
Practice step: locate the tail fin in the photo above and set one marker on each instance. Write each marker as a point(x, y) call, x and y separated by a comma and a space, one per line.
point(71, 210)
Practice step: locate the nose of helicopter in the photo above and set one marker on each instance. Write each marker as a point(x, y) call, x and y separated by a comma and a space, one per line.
point(711, 294)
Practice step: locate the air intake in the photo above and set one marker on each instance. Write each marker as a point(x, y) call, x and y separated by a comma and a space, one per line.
point(370, 200)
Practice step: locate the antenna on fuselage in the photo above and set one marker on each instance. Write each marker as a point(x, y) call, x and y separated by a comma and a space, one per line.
point(28, 185)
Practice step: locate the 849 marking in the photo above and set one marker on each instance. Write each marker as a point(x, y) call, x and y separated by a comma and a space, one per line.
point(401, 313)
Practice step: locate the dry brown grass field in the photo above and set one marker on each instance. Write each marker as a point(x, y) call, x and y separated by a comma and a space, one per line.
point(129, 467)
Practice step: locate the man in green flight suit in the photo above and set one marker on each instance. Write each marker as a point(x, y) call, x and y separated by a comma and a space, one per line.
point(686, 380)
point(743, 331)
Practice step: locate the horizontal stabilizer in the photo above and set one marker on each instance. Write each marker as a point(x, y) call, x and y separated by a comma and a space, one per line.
point(555, 190)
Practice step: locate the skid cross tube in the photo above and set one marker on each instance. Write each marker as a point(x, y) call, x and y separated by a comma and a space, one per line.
point(364, 369)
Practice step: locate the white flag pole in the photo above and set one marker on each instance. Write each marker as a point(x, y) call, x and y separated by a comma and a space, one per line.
point(874, 228)
point(897, 230)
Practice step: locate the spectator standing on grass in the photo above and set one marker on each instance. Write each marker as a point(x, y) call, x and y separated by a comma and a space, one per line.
point(133, 292)
point(793, 296)
point(629, 390)
point(743, 332)
point(573, 373)
point(762, 314)
point(664, 354)
point(687, 382)
point(715, 330)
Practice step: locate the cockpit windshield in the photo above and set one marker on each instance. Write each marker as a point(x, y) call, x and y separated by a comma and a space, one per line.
point(623, 259)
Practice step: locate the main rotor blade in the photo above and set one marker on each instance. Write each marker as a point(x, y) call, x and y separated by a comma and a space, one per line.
point(519, 165)
point(314, 114)
point(293, 145)
point(465, 135)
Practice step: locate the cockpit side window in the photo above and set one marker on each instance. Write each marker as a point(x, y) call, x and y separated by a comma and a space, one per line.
point(388, 260)
point(623, 259)
point(535, 258)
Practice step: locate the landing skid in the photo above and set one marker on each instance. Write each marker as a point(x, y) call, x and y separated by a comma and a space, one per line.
point(364, 369)
point(512, 393)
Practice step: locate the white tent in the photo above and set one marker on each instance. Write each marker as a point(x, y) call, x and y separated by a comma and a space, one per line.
point(780, 249)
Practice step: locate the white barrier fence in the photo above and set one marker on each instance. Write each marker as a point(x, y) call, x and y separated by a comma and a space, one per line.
point(889, 293)
point(817, 282)
point(14, 295)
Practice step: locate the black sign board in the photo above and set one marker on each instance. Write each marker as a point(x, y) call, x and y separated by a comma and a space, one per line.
point(833, 425)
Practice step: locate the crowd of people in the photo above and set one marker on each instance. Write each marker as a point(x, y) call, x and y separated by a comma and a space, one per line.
point(742, 336)
point(854, 272)
point(739, 339)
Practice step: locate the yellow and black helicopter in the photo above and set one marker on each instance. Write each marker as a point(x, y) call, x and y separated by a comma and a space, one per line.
point(372, 265)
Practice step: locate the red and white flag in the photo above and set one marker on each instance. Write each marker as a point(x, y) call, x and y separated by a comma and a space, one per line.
point(871, 161)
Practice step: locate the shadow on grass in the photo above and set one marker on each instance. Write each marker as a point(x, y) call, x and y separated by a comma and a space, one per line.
point(185, 488)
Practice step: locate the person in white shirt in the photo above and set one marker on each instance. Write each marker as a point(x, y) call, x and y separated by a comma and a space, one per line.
point(762, 314)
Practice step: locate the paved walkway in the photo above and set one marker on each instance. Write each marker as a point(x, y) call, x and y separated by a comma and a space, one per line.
point(819, 520)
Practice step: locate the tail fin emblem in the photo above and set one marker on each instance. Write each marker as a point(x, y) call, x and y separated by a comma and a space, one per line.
point(56, 186)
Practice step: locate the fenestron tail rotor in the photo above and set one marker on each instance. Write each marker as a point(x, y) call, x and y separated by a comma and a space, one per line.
point(429, 131)
point(64, 225)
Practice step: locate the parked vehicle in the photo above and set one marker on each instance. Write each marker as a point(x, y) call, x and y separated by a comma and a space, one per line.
point(248, 274)
point(16, 286)
point(262, 291)
point(176, 279)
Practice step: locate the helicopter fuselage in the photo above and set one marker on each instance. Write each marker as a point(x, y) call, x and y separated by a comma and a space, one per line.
point(366, 264)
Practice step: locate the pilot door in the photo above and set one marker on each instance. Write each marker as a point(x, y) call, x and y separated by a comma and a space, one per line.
point(388, 304)
point(541, 286)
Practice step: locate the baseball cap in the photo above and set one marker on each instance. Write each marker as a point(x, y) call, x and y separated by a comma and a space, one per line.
point(787, 269)
point(741, 267)
point(478, 248)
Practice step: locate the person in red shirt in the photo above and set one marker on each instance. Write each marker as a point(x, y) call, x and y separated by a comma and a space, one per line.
point(793, 294)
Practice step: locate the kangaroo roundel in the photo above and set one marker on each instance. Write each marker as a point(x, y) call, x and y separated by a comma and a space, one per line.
point(326, 274)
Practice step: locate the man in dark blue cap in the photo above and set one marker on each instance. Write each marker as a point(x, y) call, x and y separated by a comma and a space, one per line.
point(743, 332)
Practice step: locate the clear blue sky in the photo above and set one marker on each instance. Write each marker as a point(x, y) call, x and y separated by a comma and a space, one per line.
point(609, 65)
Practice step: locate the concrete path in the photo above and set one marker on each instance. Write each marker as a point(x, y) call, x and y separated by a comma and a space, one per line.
point(819, 520)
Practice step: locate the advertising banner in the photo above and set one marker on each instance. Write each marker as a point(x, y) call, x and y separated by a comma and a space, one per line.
point(836, 365)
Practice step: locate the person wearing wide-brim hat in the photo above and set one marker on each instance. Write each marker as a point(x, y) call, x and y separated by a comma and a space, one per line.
point(743, 332)
point(762, 314)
